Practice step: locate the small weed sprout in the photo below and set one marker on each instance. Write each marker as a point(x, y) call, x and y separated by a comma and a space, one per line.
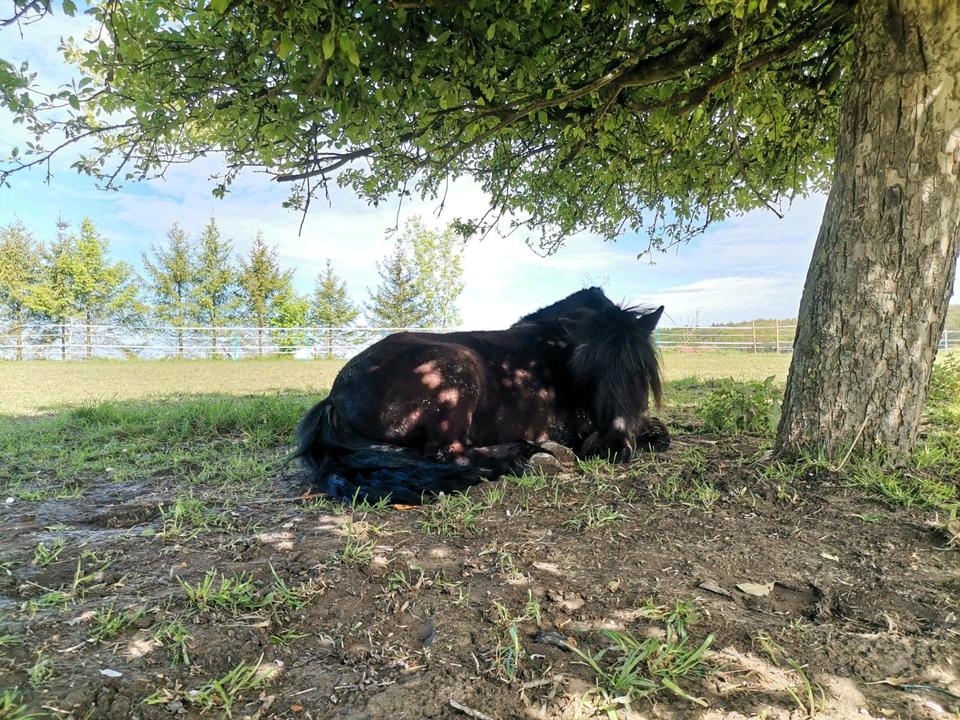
point(453, 515)
point(174, 636)
point(44, 555)
point(234, 595)
point(39, 672)
point(12, 709)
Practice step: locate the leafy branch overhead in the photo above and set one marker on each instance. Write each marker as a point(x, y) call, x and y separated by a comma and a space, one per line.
point(610, 115)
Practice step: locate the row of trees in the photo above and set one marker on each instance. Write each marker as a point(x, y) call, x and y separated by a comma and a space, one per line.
point(201, 282)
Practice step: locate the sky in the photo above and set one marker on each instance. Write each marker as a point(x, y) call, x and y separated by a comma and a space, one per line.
point(747, 267)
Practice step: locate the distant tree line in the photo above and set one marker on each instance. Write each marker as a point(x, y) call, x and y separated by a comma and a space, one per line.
point(200, 282)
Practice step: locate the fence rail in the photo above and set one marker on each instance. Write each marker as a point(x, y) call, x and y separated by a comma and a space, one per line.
point(73, 341)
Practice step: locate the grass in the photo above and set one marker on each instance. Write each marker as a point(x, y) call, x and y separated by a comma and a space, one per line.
point(223, 692)
point(235, 595)
point(109, 623)
point(357, 551)
point(682, 479)
point(174, 636)
point(594, 517)
point(188, 516)
point(44, 555)
point(213, 440)
point(628, 669)
point(40, 672)
point(452, 515)
point(39, 386)
point(809, 697)
point(12, 709)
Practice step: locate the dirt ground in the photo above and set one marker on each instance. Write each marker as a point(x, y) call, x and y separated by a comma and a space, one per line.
point(481, 608)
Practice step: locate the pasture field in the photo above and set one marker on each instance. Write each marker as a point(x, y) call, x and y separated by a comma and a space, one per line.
point(39, 386)
point(160, 560)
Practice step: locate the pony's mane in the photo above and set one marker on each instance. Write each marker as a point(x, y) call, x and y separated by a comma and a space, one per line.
point(614, 348)
point(589, 299)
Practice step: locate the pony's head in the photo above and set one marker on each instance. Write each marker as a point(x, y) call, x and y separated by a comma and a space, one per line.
point(615, 361)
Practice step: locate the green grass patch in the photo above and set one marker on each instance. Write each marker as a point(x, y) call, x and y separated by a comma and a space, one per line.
point(12, 709)
point(212, 440)
point(455, 514)
point(234, 595)
point(627, 669)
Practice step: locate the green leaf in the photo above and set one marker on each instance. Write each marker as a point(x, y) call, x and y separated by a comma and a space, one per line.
point(285, 47)
point(329, 45)
point(69, 8)
point(74, 102)
point(219, 6)
point(348, 46)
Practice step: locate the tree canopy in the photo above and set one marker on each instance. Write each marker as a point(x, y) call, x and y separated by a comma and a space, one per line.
point(609, 115)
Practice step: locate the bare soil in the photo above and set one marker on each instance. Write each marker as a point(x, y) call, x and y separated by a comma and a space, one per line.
point(864, 599)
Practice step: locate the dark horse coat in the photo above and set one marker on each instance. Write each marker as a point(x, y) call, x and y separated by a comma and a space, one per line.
point(421, 413)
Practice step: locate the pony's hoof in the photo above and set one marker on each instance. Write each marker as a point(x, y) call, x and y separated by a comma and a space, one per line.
point(545, 464)
point(561, 452)
point(654, 437)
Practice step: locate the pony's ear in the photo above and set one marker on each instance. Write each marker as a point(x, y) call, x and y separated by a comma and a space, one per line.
point(649, 321)
point(568, 324)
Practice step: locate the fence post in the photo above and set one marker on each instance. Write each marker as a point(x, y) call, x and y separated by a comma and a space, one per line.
point(777, 326)
point(236, 345)
point(754, 328)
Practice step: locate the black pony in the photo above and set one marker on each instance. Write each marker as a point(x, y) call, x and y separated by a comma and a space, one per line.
point(421, 413)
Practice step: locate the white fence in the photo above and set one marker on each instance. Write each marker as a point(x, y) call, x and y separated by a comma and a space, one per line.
point(75, 341)
point(78, 341)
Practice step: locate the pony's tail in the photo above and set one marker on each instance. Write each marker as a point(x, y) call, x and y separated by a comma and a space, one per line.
point(347, 466)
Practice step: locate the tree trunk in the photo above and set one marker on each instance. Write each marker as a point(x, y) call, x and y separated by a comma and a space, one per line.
point(18, 335)
point(882, 273)
point(89, 338)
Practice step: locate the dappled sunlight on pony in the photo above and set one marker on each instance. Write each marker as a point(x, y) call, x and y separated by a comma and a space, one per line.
point(417, 414)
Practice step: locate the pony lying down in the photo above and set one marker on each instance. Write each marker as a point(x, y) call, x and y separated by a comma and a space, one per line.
point(417, 414)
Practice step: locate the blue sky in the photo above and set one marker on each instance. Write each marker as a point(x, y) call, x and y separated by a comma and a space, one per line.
point(747, 267)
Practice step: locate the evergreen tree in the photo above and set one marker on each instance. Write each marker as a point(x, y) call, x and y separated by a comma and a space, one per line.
point(214, 294)
point(439, 271)
point(173, 276)
point(262, 285)
point(55, 294)
point(398, 303)
point(19, 271)
point(330, 306)
point(103, 291)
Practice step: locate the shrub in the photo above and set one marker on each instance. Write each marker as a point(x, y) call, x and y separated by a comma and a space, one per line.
point(741, 407)
point(945, 381)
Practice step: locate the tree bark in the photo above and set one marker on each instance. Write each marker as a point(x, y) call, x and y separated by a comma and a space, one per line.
point(18, 321)
point(882, 272)
point(89, 338)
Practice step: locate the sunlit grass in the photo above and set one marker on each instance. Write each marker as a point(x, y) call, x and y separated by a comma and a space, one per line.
point(38, 386)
